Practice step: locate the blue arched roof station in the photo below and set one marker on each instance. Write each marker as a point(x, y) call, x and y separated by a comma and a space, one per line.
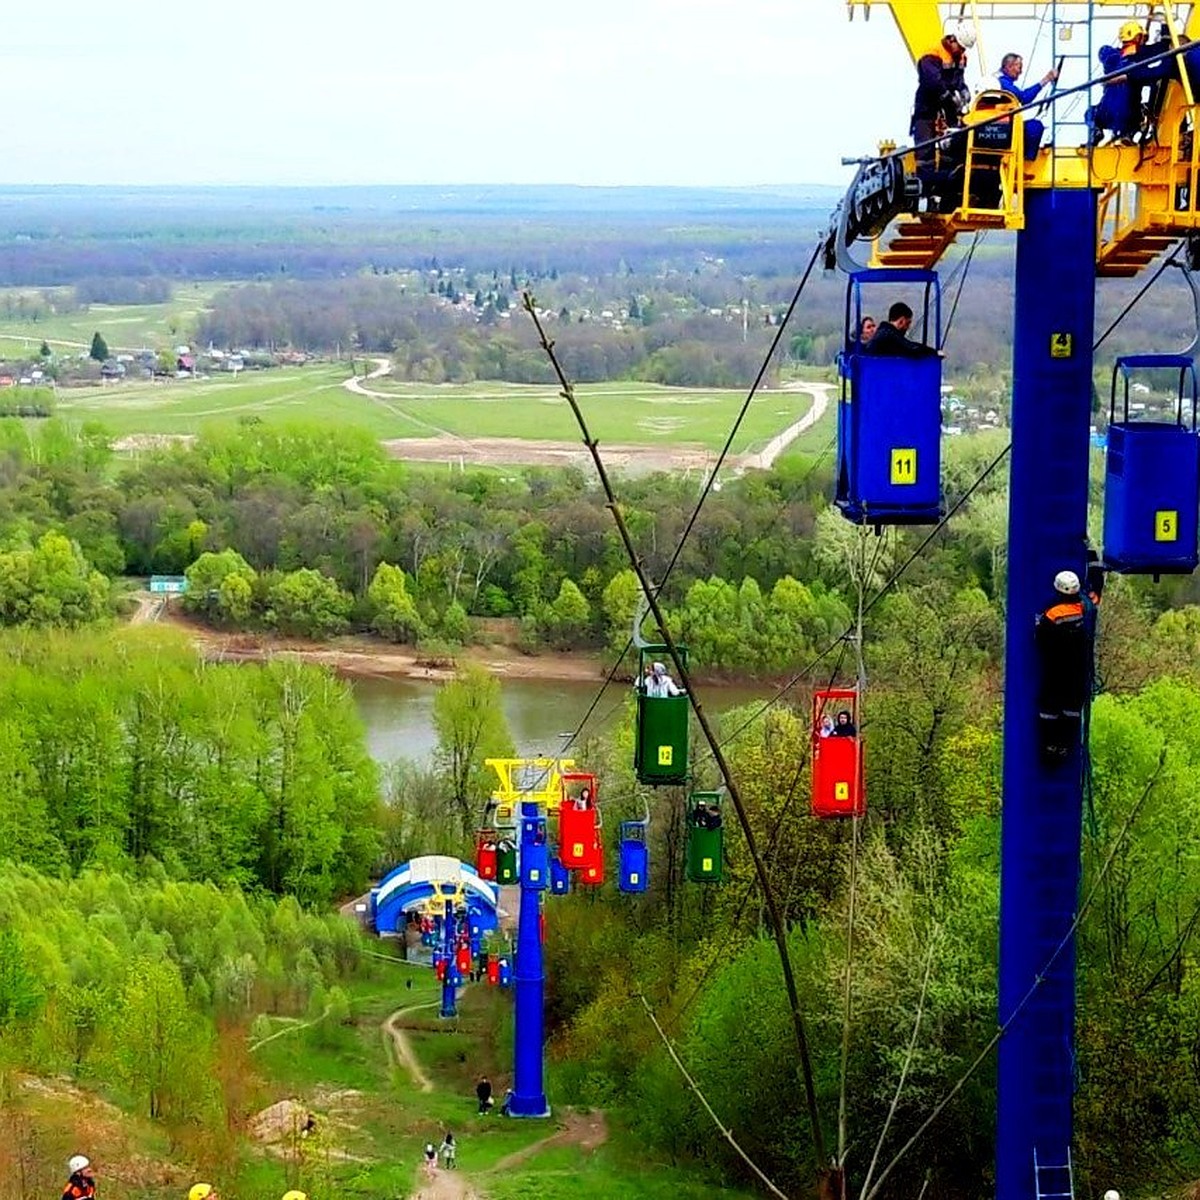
point(424, 884)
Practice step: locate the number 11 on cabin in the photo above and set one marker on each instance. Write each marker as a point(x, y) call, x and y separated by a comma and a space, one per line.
point(904, 465)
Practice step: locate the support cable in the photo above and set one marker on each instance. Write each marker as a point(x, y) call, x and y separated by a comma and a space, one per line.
point(1039, 979)
point(1162, 267)
point(780, 932)
point(708, 1108)
point(712, 478)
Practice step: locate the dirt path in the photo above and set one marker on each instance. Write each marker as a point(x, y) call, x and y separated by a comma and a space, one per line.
point(149, 608)
point(383, 366)
point(585, 1130)
point(400, 1047)
point(778, 444)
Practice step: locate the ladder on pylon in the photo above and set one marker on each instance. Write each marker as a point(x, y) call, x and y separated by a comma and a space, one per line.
point(1055, 1182)
point(1069, 125)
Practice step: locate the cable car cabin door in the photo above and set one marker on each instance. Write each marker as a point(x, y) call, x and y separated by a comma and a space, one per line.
point(838, 776)
point(890, 415)
point(1152, 475)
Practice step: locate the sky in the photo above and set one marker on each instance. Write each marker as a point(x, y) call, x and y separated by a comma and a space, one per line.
point(592, 92)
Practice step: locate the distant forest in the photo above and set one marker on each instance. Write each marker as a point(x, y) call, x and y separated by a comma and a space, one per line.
point(678, 286)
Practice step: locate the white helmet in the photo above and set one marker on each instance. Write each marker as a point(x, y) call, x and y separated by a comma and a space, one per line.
point(962, 32)
point(1112, 1194)
point(1067, 582)
point(77, 1162)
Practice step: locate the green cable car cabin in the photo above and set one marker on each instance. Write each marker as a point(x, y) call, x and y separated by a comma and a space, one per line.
point(705, 838)
point(660, 754)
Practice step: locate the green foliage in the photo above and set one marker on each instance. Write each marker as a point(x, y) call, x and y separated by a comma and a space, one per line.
point(307, 603)
point(471, 727)
point(395, 612)
point(221, 586)
point(99, 350)
point(130, 749)
point(50, 583)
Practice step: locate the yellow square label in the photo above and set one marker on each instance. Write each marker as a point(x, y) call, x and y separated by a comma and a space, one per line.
point(666, 755)
point(534, 874)
point(904, 465)
point(633, 877)
point(1062, 345)
point(706, 864)
point(1166, 525)
point(841, 791)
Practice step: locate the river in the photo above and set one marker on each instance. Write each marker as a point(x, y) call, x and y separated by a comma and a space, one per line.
point(398, 713)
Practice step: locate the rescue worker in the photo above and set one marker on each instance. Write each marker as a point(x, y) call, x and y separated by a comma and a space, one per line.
point(295, 1195)
point(203, 1191)
point(1011, 66)
point(891, 337)
point(82, 1181)
point(941, 99)
point(1065, 635)
point(1118, 116)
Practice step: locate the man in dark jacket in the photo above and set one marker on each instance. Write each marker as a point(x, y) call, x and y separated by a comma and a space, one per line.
point(941, 99)
point(891, 337)
point(483, 1093)
point(1066, 636)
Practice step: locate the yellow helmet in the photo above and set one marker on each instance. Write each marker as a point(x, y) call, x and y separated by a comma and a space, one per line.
point(200, 1191)
point(294, 1195)
point(1130, 32)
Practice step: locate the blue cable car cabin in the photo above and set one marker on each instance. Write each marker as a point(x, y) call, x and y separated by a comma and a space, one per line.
point(890, 414)
point(560, 876)
point(1152, 476)
point(634, 872)
point(535, 853)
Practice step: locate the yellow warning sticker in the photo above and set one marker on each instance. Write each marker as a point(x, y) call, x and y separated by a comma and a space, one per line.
point(904, 465)
point(1166, 525)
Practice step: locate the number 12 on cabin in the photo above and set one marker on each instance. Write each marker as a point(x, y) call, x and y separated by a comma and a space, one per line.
point(904, 465)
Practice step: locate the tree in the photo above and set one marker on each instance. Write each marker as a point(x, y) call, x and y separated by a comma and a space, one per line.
point(99, 350)
point(221, 586)
point(570, 615)
point(308, 603)
point(44, 349)
point(470, 723)
point(395, 613)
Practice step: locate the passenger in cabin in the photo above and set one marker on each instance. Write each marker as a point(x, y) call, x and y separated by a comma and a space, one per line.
point(584, 800)
point(858, 341)
point(1118, 116)
point(844, 725)
point(825, 729)
point(891, 338)
point(1011, 66)
point(708, 816)
point(941, 99)
point(658, 684)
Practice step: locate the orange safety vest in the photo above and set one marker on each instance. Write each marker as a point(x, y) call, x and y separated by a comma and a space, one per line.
point(1064, 612)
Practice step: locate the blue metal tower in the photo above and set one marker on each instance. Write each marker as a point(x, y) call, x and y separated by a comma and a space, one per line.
point(1042, 814)
point(449, 991)
point(529, 1087)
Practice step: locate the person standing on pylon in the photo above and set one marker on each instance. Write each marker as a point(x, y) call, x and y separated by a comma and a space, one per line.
point(1066, 637)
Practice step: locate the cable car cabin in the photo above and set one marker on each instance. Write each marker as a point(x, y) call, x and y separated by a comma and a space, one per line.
point(994, 165)
point(660, 751)
point(560, 877)
point(634, 873)
point(705, 838)
point(578, 820)
point(462, 958)
point(837, 755)
point(485, 853)
point(535, 853)
point(439, 966)
point(504, 973)
point(592, 874)
point(1152, 475)
point(890, 414)
point(506, 860)
point(493, 970)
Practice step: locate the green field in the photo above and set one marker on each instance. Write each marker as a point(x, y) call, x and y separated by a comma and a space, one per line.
point(633, 413)
point(125, 327)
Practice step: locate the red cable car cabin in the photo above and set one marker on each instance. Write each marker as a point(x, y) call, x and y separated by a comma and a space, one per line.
point(837, 755)
point(578, 835)
point(485, 853)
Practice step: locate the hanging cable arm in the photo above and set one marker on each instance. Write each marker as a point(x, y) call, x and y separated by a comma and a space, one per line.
point(777, 925)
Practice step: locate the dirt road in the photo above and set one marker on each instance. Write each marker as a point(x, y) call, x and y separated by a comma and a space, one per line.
point(399, 1046)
